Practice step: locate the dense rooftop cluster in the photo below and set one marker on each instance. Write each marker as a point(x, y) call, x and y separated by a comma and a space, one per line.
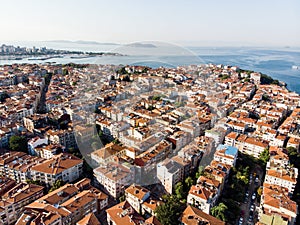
point(157, 128)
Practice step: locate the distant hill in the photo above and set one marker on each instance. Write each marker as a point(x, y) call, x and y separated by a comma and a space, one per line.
point(83, 42)
point(142, 45)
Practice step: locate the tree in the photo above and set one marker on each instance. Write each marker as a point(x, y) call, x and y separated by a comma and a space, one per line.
point(264, 157)
point(57, 184)
point(122, 71)
point(169, 212)
point(29, 181)
point(259, 191)
point(218, 211)
point(156, 97)
point(3, 96)
point(18, 143)
point(179, 190)
point(65, 71)
point(116, 141)
point(189, 182)
point(240, 176)
point(294, 157)
point(122, 198)
point(200, 172)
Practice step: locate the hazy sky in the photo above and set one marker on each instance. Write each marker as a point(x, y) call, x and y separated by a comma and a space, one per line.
point(201, 22)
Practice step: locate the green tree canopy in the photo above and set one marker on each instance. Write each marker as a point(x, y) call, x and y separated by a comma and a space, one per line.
point(29, 181)
point(189, 182)
point(122, 198)
point(294, 156)
point(57, 184)
point(218, 211)
point(179, 190)
point(264, 157)
point(200, 172)
point(169, 212)
point(18, 143)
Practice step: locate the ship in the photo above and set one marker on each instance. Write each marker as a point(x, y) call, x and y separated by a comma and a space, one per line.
point(295, 67)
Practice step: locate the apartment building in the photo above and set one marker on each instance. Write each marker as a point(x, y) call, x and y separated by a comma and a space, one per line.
point(15, 199)
point(65, 167)
point(203, 197)
point(136, 196)
point(192, 216)
point(226, 154)
point(276, 201)
point(69, 204)
point(114, 177)
point(169, 173)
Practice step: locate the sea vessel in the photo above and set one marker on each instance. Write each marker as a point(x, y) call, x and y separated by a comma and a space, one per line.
point(295, 67)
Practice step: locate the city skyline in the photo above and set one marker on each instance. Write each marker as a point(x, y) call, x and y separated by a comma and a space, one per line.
point(255, 23)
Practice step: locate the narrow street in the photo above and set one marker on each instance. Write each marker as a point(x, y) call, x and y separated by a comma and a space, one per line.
point(41, 108)
point(248, 201)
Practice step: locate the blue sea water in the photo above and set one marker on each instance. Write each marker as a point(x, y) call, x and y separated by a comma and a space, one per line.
point(275, 62)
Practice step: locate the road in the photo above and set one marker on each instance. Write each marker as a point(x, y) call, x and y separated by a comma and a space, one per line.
point(245, 207)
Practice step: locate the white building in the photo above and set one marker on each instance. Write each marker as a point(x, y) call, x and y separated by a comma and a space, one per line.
point(63, 167)
point(169, 173)
point(35, 142)
point(114, 177)
point(203, 197)
point(226, 154)
point(136, 196)
point(284, 177)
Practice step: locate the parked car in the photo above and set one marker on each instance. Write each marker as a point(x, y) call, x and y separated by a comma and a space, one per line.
point(256, 179)
point(241, 220)
point(250, 219)
point(253, 196)
point(252, 207)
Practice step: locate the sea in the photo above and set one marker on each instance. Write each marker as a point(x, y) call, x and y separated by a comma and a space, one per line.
point(278, 62)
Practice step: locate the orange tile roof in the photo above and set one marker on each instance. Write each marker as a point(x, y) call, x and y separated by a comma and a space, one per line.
point(137, 191)
point(124, 214)
point(89, 219)
point(192, 216)
point(57, 164)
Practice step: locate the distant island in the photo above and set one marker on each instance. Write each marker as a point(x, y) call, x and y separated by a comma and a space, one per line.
point(83, 42)
point(142, 45)
point(43, 53)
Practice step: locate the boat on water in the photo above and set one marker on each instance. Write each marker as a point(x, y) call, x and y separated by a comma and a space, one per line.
point(295, 67)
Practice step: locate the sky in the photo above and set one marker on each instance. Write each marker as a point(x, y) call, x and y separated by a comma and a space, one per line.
point(189, 22)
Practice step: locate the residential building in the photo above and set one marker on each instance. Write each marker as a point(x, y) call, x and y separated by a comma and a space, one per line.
point(203, 197)
point(226, 154)
point(35, 142)
point(284, 177)
point(65, 167)
point(193, 216)
point(107, 153)
point(123, 214)
point(169, 172)
point(114, 177)
point(15, 199)
point(136, 196)
point(275, 201)
point(68, 204)
point(89, 219)
point(17, 165)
